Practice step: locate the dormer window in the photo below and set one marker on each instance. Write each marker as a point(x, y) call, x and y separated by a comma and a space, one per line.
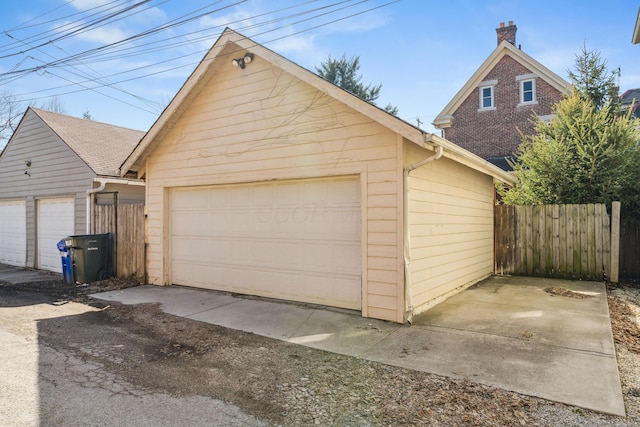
point(487, 95)
point(527, 89)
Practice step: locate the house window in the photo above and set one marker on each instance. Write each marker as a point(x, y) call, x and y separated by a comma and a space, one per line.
point(487, 96)
point(527, 89)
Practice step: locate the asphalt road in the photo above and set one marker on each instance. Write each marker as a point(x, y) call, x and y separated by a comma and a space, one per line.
point(49, 380)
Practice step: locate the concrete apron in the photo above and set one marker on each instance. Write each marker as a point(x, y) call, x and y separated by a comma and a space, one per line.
point(505, 332)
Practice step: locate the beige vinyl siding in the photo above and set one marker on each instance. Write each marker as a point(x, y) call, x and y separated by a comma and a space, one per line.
point(263, 124)
point(451, 228)
point(56, 171)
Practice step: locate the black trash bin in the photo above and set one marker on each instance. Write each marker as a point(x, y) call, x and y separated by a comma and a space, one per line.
point(91, 255)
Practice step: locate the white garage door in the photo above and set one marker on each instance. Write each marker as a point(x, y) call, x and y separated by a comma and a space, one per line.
point(13, 233)
point(55, 222)
point(295, 240)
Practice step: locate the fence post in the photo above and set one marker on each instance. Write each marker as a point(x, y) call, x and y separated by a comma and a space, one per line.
point(615, 241)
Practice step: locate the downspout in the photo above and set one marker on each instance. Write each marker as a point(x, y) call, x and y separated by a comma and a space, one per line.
point(407, 243)
point(91, 194)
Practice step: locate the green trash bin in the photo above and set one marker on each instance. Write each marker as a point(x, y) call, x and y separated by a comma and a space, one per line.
point(91, 256)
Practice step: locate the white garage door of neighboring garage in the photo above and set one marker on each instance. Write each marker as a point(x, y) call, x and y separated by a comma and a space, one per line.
point(294, 240)
point(55, 222)
point(13, 233)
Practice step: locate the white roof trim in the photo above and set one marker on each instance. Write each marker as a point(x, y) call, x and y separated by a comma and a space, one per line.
point(503, 49)
point(486, 83)
point(636, 31)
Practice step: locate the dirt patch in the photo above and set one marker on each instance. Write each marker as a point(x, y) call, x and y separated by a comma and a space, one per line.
point(626, 330)
point(566, 293)
point(65, 292)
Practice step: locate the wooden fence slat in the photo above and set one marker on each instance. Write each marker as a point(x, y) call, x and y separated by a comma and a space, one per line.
point(562, 238)
point(128, 237)
point(598, 229)
point(562, 241)
point(555, 241)
point(528, 231)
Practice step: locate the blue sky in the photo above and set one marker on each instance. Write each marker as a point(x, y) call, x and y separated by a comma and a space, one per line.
point(422, 52)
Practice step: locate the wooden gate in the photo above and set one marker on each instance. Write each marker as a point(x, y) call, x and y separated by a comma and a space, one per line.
point(126, 223)
point(559, 241)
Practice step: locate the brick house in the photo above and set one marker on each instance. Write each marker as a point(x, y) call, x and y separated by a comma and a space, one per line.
point(499, 101)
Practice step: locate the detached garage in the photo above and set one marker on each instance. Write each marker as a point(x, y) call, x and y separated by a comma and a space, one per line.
point(52, 171)
point(268, 180)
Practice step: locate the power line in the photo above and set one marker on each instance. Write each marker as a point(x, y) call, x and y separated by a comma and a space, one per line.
point(71, 59)
point(76, 30)
point(117, 50)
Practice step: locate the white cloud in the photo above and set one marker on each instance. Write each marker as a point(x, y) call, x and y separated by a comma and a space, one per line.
point(294, 44)
point(106, 34)
point(88, 4)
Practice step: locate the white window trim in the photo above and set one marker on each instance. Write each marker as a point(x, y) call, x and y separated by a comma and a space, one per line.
point(527, 78)
point(487, 84)
point(546, 118)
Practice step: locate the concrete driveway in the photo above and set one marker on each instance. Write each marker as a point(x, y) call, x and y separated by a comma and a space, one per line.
point(506, 332)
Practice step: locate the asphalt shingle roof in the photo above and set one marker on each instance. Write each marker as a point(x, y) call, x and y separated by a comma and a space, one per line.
point(101, 146)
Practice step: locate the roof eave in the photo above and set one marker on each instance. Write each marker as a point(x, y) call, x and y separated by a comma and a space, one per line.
point(636, 31)
point(467, 158)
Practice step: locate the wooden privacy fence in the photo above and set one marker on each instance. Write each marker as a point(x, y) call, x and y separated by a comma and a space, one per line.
point(126, 223)
point(558, 241)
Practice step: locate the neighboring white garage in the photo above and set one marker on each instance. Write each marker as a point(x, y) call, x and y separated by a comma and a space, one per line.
point(298, 240)
point(55, 222)
point(59, 167)
point(13, 233)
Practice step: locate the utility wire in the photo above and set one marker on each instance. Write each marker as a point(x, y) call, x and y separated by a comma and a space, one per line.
point(78, 30)
point(89, 82)
point(54, 30)
point(166, 26)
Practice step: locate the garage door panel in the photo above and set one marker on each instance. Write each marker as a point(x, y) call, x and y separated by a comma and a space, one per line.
point(55, 221)
point(346, 259)
point(13, 233)
point(297, 240)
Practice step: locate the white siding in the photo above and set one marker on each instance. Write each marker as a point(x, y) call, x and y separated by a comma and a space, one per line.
point(55, 171)
point(13, 233)
point(55, 220)
point(261, 124)
point(451, 228)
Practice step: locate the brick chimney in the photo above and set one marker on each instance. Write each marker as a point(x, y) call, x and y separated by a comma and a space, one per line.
point(507, 33)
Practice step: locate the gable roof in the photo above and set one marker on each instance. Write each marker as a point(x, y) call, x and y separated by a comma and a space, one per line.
point(240, 45)
point(504, 49)
point(101, 146)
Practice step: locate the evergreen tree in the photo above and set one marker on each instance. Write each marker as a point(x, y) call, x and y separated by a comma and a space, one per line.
point(343, 72)
point(584, 155)
point(588, 153)
point(591, 78)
